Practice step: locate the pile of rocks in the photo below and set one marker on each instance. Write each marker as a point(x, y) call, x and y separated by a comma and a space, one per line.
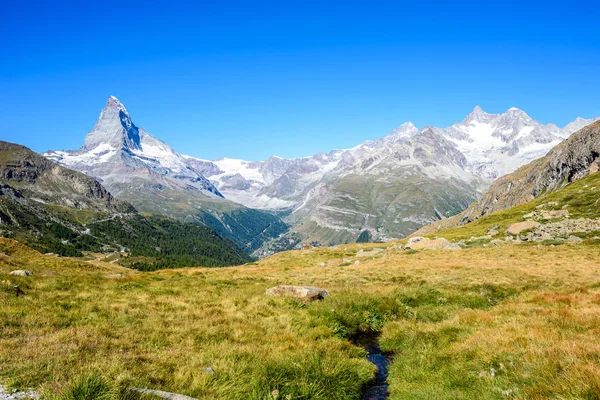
point(562, 229)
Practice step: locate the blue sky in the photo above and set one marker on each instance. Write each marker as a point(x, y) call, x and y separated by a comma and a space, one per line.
point(249, 79)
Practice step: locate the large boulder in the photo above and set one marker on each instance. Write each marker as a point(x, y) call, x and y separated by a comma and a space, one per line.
point(21, 272)
point(414, 240)
point(519, 227)
point(300, 292)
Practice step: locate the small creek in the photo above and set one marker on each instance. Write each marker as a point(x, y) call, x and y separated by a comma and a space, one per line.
point(377, 389)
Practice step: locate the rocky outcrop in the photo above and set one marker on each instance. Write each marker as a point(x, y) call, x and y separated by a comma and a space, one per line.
point(308, 293)
point(39, 178)
point(564, 229)
point(519, 227)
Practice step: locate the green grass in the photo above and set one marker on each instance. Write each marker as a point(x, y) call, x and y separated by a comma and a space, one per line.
point(580, 199)
point(528, 316)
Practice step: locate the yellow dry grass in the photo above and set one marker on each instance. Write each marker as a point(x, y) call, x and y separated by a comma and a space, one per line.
point(507, 322)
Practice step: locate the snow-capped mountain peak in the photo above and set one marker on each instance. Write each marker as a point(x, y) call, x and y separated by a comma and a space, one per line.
point(478, 116)
point(117, 151)
point(514, 114)
point(113, 127)
point(406, 129)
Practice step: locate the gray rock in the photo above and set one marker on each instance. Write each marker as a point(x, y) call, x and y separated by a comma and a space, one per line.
point(300, 292)
point(163, 395)
point(574, 239)
point(21, 272)
point(519, 227)
point(414, 240)
point(6, 394)
point(362, 253)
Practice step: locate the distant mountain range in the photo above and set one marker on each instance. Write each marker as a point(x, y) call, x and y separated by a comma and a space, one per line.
point(388, 187)
point(571, 160)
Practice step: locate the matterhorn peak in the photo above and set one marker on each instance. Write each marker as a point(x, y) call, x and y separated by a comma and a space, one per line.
point(114, 127)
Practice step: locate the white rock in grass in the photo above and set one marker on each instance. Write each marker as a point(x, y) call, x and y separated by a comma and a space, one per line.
point(21, 272)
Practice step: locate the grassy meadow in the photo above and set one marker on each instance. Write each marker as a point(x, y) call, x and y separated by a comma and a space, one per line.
point(516, 322)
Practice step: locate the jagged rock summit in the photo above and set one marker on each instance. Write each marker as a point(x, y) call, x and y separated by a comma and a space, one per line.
point(148, 173)
point(114, 128)
point(119, 153)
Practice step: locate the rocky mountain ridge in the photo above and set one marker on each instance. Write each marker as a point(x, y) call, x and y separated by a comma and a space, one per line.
point(569, 161)
point(388, 187)
point(148, 173)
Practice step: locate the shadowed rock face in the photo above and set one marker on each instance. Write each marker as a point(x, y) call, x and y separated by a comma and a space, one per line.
point(37, 177)
point(114, 127)
point(569, 161)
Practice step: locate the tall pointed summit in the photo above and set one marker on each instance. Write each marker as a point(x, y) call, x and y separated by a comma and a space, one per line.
point(148, 173)
point(114, 127)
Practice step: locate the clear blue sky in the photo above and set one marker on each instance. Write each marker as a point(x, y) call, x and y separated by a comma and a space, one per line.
point(249, 79)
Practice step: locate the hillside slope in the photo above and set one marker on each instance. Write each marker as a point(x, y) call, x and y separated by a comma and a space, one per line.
point(61, 211)
point(569, 161)
point(573, 210)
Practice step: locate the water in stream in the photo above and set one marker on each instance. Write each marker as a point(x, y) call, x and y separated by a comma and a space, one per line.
point(377, 388)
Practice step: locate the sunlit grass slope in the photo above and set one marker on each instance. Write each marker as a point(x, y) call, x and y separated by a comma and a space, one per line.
point(481, 323)
point(580, 199)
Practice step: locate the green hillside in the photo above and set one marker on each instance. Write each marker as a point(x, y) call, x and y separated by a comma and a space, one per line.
point(56, 210)
point(581, 199)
